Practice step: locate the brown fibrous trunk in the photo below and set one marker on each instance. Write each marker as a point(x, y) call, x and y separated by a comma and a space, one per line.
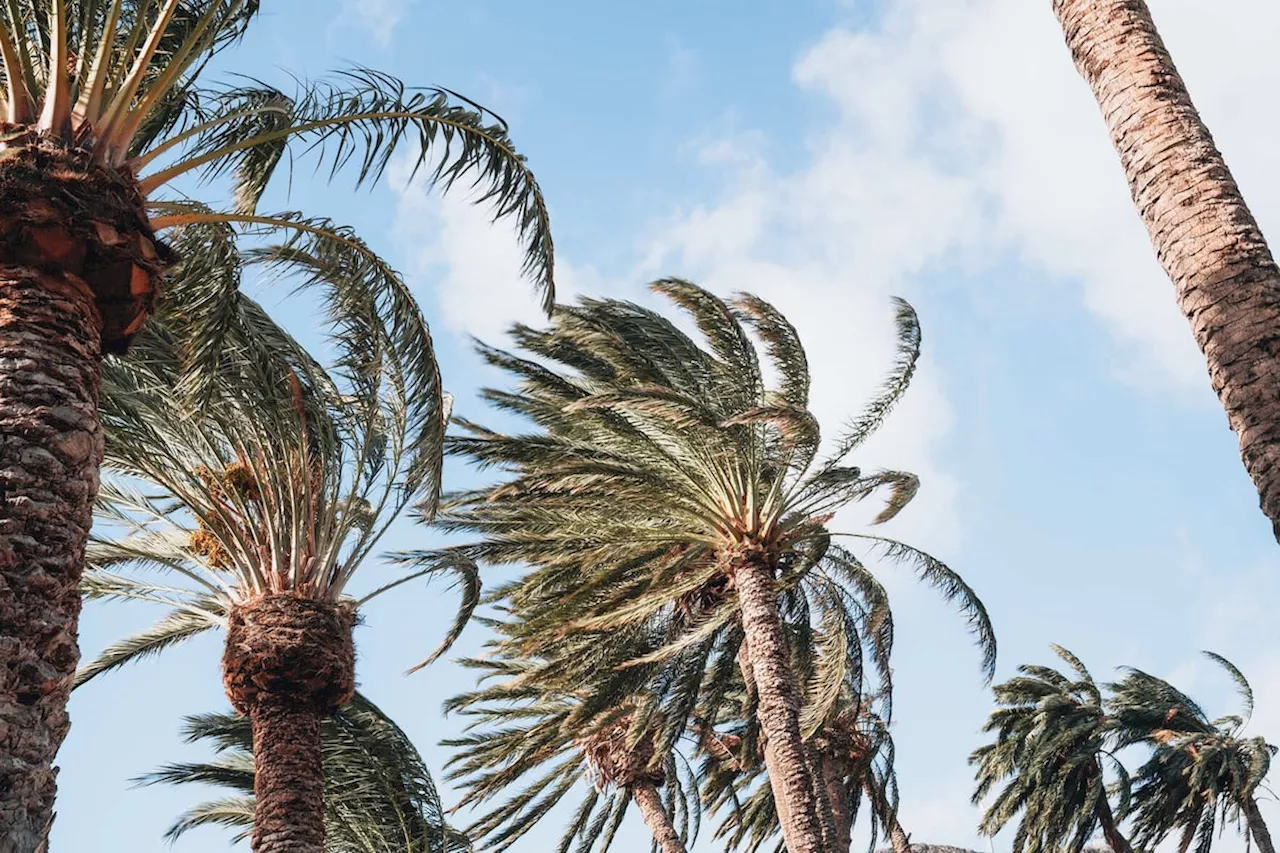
point(79, 269)
point(1206, 239)
point(289, 662)
point(778, 711)
point(656, 818)
point(1258, 827)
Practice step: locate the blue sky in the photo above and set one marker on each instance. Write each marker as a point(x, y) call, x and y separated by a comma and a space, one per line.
point(1076, 469)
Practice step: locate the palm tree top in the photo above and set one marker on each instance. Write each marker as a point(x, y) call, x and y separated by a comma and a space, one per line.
point(653, 448)
point(267, 473)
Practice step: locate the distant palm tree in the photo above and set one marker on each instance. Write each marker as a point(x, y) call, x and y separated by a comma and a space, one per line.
point(1225, 279)
point(540, 727)
point(378, 795)
point(665, 476)
point(252, 505)
point(104, 108)
point(1202, 773)
point(1053, 740)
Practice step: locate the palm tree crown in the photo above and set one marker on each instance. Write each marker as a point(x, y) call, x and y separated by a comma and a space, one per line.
point(1053, 741)
point(1202, 772)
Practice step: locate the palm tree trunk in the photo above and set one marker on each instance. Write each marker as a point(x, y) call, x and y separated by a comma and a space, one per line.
point(898, 838)
point(288, 782)
point(289, 662)
point(779, 703)
point(50, 451)
point(649, 801)
point(1258, 827)
point(1226, 281)
point(837, 790)
point(1115, 840)
point(826, 811)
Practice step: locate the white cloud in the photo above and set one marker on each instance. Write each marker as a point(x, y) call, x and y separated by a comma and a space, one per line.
point(379, 18)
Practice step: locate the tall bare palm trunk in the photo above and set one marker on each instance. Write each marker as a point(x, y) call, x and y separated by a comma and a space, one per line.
point(78, 273)
point(50, 449)
point(1258, 827)
point(649, 801)
point(1226, 281)
point(779, 701)
point(289, 662)
point(898, 838)
point(1115, 839)
point(837, 790)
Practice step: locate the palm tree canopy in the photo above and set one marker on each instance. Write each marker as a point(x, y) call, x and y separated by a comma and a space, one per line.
point(1202, 772)
point(538, 734)
point(654, 455)
point(119, 84)
point(379, 795)
point(278, 475)
point(1052, 742)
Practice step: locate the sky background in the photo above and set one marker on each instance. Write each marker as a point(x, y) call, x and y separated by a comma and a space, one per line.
point(826, 155)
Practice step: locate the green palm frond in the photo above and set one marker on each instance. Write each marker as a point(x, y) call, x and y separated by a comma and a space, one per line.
point(1052, 742)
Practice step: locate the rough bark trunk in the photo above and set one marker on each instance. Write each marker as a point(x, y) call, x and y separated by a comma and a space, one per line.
point(50, 452)
point(826, 811)
point(1226, 281)
point(833, 780)
point(288, 783)
point(898, 838)
point(1115, 840)
point(289, 662)
point(1258, 827)
point(779, 703)
point(649, 801)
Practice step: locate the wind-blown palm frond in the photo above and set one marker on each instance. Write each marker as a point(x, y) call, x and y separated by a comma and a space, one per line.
point(379, 795)
point(1053, 742)
point(1202, 774)
point(536, 729)
point(280, 476)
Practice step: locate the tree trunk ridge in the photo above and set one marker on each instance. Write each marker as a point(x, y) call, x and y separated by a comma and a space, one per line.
point(779, 703)
point(50, 452)
point(1206, 239)
point(1258, 827)
point(654, 812)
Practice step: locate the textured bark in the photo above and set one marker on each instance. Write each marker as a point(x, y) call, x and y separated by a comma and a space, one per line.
point(834, 774)
point(898, 838)
point(1115, 840)
point(1226, 281)
point(288, 663)
point(50, 450)
point(649, 801)
point(288, 782)
point(826, 811)
point(1258, 827)
point(779, 701)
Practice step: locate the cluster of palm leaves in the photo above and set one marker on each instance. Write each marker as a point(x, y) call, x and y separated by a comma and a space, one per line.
point(693, 632)
point(1060, 737)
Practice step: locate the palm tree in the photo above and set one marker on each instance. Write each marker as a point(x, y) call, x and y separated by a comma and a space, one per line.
point(378, 792)
point(1208, 242)
point(611, 732)
point(1053, 739)
point(252, 507)
point(1202, 773)
point(104, 109)
point(665, 477)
